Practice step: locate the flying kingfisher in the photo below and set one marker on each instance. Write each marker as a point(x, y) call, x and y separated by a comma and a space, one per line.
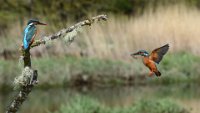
point(30, 32)
point(150, 60)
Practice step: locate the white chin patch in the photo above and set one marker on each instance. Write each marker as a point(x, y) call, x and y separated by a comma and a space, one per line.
point(31, 24)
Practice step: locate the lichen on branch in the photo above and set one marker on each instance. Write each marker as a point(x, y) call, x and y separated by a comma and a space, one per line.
point(26, 78)
point(64, 32)
point(25, 83)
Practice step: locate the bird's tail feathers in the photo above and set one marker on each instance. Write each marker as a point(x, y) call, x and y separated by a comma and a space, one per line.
point(157, 73)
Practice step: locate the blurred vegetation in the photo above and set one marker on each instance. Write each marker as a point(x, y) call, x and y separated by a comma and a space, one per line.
point(105, 40)
point(60, 11)
point(56, 71)
point(88, 105)
point(65, 71)
point(179, 67)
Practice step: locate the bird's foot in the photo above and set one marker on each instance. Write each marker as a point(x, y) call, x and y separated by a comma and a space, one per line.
point(21, 47)
point(151, 74)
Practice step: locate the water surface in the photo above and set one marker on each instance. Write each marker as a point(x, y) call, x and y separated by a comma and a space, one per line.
point(45, 101)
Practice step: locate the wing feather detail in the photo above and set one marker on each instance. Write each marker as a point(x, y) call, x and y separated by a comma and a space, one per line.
point(158, 53)
point(29, 32)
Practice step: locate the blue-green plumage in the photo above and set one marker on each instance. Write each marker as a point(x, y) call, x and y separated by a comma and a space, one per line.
point(29, 33)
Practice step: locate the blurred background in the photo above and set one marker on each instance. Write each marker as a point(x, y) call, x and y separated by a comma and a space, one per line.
point(96, 74)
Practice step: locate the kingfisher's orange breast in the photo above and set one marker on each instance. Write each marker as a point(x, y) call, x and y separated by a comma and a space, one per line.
point(149, 63)
point(33, 38)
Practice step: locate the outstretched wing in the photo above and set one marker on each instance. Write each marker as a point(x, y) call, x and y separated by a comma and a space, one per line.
point(157, 54)
point(29, 32)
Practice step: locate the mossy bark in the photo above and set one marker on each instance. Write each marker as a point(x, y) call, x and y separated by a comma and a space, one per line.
point(25, 90)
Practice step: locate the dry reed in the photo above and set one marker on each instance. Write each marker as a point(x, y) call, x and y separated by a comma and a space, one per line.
point(177, 25)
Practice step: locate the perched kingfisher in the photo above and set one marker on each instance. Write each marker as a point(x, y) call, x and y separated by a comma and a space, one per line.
point(30, 32)
point(150, 60)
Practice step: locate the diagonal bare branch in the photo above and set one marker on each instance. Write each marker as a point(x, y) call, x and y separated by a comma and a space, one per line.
point(69, 29)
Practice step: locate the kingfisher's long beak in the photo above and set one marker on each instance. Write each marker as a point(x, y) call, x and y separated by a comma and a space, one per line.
point(40, 23)
point(134, 54)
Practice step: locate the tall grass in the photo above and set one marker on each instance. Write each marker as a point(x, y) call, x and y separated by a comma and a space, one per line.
point(177, 25)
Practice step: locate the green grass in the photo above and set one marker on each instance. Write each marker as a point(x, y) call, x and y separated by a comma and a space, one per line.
point(182, 67)
point(81, 104)
point(58, 71)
